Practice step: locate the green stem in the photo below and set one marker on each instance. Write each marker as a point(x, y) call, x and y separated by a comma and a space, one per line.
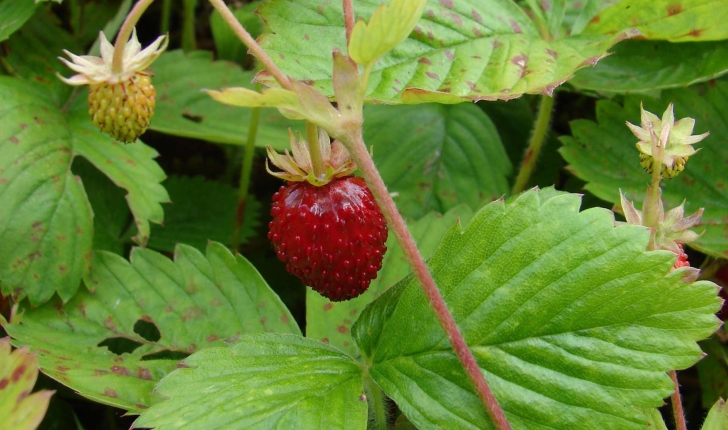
point(358, 151)
point(314, 149)
point(188, 25)
point(166, 16)
point(245, 174)
point(376, 396)
point(125, 33)
point(535, 144)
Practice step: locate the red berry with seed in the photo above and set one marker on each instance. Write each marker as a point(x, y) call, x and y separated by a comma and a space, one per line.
point(326, 226)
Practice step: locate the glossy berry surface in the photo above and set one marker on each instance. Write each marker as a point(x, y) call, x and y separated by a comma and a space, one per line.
point(332, 236)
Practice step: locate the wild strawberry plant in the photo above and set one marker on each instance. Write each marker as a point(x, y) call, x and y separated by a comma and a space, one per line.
point(463, 296)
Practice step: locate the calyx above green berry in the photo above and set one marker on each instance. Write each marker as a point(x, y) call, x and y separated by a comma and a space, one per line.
point(121, 103)
point(326, 226)
point(665, 142)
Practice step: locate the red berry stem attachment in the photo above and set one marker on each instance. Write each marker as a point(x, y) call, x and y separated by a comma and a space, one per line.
point(363, 160)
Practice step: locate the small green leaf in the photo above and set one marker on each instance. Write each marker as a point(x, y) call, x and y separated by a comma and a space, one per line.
point(19, 409)
point(262, 382)
point(183, 109)
point(163, 309)
point(14, 13)
point(201, 211)
point(458, 51)
point(388, 26)
point(670, 65)
point(330, 322)
point(604, 155)
point(571, 320)
point(677, 21)
point(717, 418)
point(443, 156)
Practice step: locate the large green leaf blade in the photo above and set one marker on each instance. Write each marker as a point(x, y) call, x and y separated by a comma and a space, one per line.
point(330, 322)
point(192, 303)
point(46, 230)
point(572, 322)
point(458, 51)
point(183, 109)
point(262, 382)
point(604, 155)
point(444, 156)
point(670, 65)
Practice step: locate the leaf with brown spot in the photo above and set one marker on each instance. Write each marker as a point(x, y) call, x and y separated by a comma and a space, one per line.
point(18, 373)
point(149, 288)
point(464, 41)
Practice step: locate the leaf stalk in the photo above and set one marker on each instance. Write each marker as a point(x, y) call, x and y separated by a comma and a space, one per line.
point(540, 131)
point(245, 175)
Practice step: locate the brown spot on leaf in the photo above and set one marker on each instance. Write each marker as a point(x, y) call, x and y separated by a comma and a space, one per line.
point(424, 60)
point(353, 312)
point(110, 392)
point(449, 55)
point(38, 120)
point(4, 383)
point(674, 9)
point(61, 237)
point(305, 36)
point(144, 373)
point(120, 370)
point(169, 308)
point(109, 323)
point(63, 369)
point(595, 19)
point(346, 344)
point(477, 32)
point(432, 75)
point(342, 329)
point(23, 125)
point(191, 313)
point(99, 372)
point(18, 373)
point(325, 340)
point(212, 338)
point(284, 319)
point(696, 33)
point(62, 268)
point(328, 306)
point(14, 140)
point(552, 53)
point(215, 302)
point(514, 25)
point(476, 16)
point(446, 3)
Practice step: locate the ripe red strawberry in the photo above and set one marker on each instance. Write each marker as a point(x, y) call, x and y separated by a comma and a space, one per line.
point(327, 228)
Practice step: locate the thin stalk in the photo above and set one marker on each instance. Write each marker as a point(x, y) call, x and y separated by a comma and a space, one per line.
point(166, 16)
point(377, 403)
point(245, 174)
point(535, 144)
point(314, 150)
point(125, 33)
point(188, 25)
point(248, 40)
point(348, 19)
point(359, 153)
point(677, 409)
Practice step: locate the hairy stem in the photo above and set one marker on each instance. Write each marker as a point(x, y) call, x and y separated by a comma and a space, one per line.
point(245, 174)
point(361, 157)
point(125, 33)
point(314, 150)
point(376, 398)
point(348, 19)
point(248, 40)
point(535, 144)
point(677, 409)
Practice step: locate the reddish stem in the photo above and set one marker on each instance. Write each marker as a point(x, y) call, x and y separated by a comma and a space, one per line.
point(348, 19)
point(252, 45)
point(363, 160)
point(677, 408)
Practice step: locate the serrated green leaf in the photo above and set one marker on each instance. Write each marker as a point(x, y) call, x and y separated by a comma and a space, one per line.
point(388, 26)
point(717, 418)
point(262, 382)
point(46, 229)
point(561, 311)
point(131, 167)
point(193, 302)
point(604, 155)
point(227, 44)
point(437, 157)
point(19, 409)
point(458, 51)
point(201, 211)
point(14, 14)
point(670, 65)
point(677, 21)
point(183, 109)
point(330, 322)
point(654, 419)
